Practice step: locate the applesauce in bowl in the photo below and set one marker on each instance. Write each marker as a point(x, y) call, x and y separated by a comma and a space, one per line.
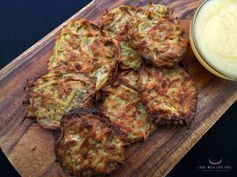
point(213, 37)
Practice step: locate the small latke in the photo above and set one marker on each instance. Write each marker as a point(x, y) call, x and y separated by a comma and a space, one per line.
point(88, 145)
point(158, 36)
point(123, 106)
point(56, 92)
point(169, 95)
point(84, 47)
point(115, 22)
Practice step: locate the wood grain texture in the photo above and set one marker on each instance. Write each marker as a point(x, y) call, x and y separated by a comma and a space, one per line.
point(30, 148)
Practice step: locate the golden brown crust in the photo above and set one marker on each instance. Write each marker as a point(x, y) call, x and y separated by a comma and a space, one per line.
point(122, 105)
point(169, 95)
point(56, 92)
point(84, 47)
point(84, 64)
point(115, 22)
point(158, 36)
point(88, 145)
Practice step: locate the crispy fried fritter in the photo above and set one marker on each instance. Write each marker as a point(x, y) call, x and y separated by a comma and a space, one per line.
point(116, 23)
point(158, 36)
point(56, 92)
point(122, 105)
point(168, 94)
point(88, 146)
point(81, 45)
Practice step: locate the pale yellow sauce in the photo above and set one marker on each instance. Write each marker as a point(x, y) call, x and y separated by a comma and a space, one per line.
point(216, 35)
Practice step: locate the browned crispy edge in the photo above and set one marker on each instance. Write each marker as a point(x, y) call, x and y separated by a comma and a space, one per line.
point(76, 114)
point(29, 88)
point(186, 119)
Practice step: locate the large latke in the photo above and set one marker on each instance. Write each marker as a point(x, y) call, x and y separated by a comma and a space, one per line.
point(82, 46)
point(88, 146)
point(169, 95)
point(158, 36)
point(55, 93)
point(123, 106)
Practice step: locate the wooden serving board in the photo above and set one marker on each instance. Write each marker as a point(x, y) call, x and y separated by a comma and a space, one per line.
point(30, 147)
